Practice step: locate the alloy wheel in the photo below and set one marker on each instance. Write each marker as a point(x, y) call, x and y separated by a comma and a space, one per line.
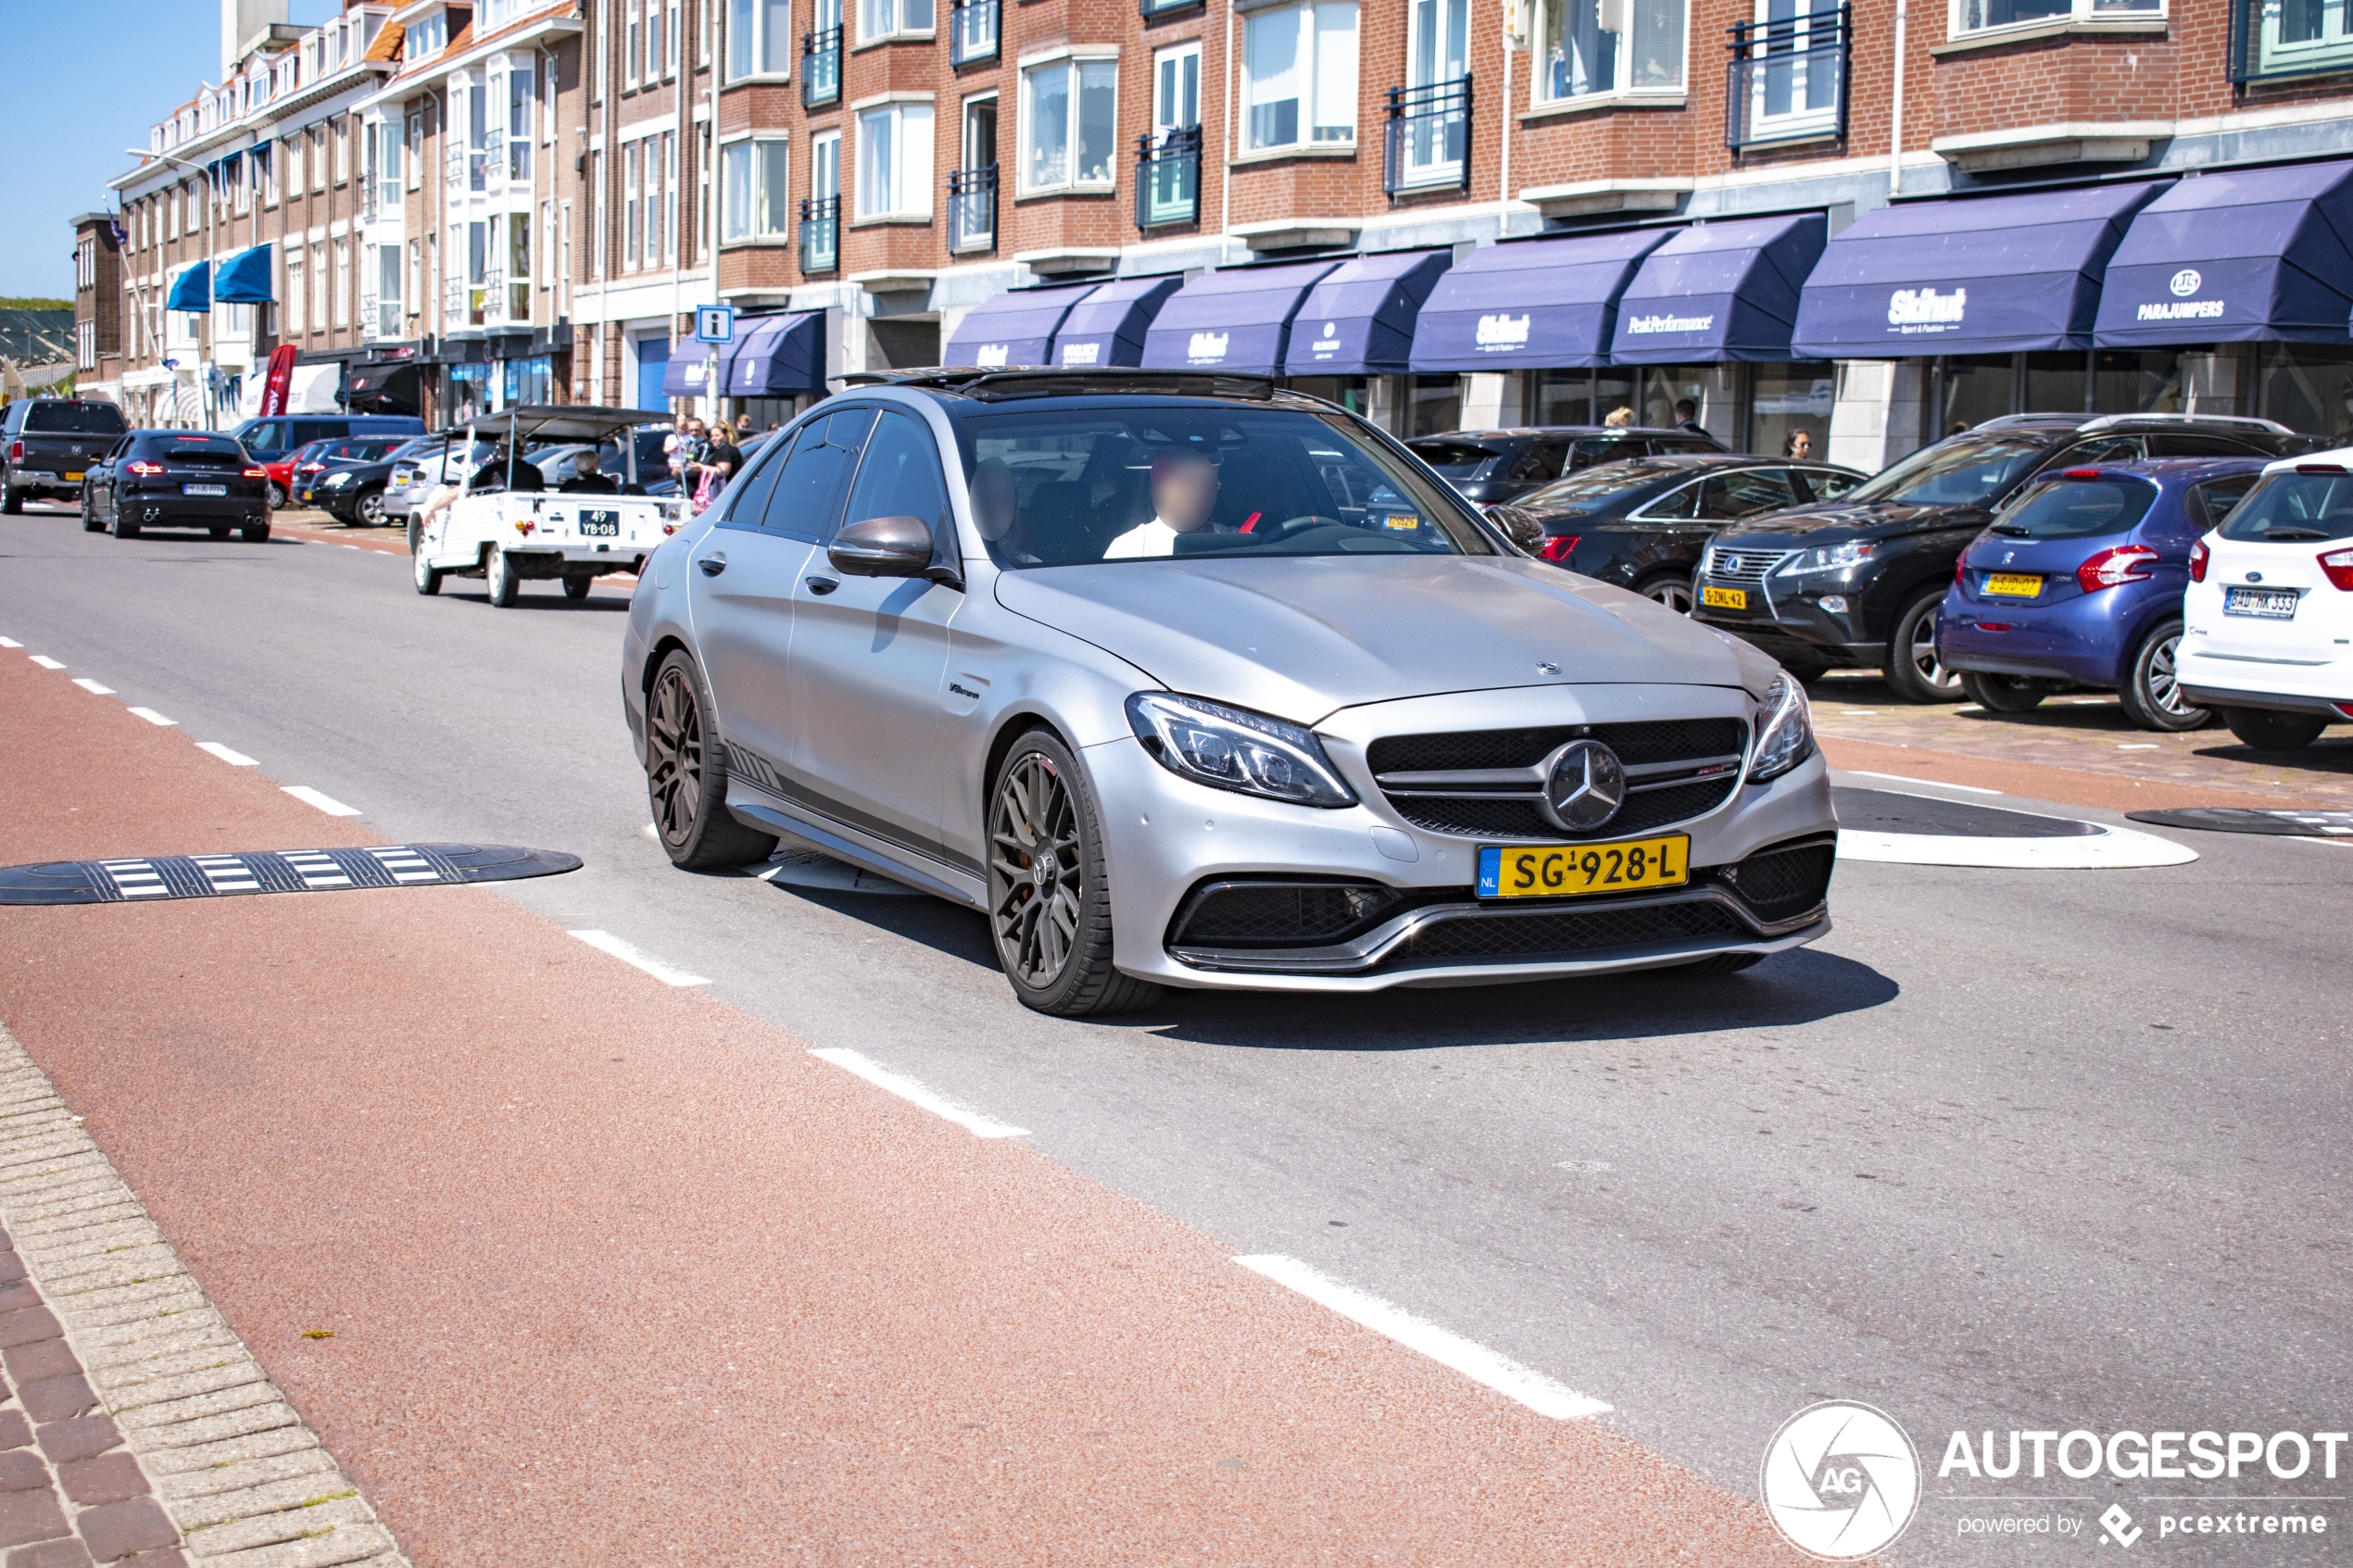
point(1674, 593)
point(1923, 655)
point(673, 756)
point(1034, 850)
point(2165, 680)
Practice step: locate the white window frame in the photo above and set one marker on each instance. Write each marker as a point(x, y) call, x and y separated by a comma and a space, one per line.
point(633, 36)
point(413, 297)
point(1075, 64)
point(1966, 19)
point(632, 161)
point(1794, 124)
point(1631, 13)
point(292, 303)
point(670, 197)
point(879, 21)
point(908, 142)
point(751, 170)
point(761, 30)
point(1320, 70)
point(340, 302)
point(1166, 117)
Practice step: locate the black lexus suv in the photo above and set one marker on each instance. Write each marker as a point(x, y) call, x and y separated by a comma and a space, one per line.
point(1856, 584)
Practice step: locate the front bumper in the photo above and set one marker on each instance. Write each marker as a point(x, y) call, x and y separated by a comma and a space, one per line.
point(1166, 836)
point(1790, 625)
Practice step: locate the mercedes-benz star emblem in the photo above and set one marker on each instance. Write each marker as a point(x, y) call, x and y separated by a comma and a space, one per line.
point(1584, 786)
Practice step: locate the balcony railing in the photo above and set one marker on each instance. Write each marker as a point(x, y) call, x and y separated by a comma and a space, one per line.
point(2273, 40)
point(1786, 81)
point(820, 68)
point(821, 233)
point(972, 208)
point(1168, 177)
point(1429, 138)
point(973, 32)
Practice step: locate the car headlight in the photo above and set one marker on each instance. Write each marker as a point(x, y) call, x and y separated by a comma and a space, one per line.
point(1784, 730)
point(1828, 558)
point(337, 480)
point(1234, 748)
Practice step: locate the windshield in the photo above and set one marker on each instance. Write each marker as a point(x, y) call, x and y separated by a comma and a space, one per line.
point(1456, 459)
point(2077, 509)
point(1594, 488)
point(1062, 487)
point(1965, 470)
point(73, 418)
point(2292, 509)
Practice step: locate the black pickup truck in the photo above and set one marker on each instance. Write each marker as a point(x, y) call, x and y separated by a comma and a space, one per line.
point(47, 444)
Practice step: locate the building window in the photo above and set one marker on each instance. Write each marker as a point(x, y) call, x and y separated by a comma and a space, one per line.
point(2289, 38)
point(519, 267)
point(415, 292)
point(1980, 16)
point(894, 161)
point(1582, 58)
point(821, 214)
point(477, 273)
point(596, 213)
point(522, 93)
point(1788, 79)
point(756, 200)
point(669, 196)
point(342, 298)
point(632, 43)
point(1299, 75)
point(893, 18)
point(760, 38)
point(85, 346)
point(343, 149)
point(1070, 128)
point(292, 306)
point(631, 191)
point(655, 40)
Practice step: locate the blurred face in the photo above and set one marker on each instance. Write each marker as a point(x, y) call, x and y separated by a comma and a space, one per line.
point(1184, 490)
point(995, 500)
point(588, 462)
point(1801, 446)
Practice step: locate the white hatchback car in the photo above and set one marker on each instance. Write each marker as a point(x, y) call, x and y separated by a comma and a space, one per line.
point(2269, 614)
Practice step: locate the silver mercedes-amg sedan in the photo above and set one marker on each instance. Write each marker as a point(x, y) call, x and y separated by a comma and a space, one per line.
point(1184, 679)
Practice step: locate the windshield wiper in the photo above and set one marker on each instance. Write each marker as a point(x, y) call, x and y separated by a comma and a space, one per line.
point(2013, 531)
point(2290, 533)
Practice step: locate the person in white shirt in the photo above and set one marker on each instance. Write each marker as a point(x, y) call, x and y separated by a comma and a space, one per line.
point(1184, 494)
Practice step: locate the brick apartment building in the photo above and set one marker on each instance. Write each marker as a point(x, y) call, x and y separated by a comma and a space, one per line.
point(1447, 211)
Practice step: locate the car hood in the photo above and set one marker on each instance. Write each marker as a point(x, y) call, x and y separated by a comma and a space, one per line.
point(1868, 520)
point(1301, 636)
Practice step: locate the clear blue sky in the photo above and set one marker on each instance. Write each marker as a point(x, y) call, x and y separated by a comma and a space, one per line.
point(97, 74)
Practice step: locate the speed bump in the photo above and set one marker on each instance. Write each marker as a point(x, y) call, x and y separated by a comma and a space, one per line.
point(143, 878)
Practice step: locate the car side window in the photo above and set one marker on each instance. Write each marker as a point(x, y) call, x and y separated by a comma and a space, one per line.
point(2102, 449)
point(1826, 485)
point(806, 503)
point(1744, 491)
point(1601, 449)
point(2211, 502)
point(746, 499)
point(1675, 504)
point(899, 477)
point(1537, 463)
point(309, 431)
point(2188, 443)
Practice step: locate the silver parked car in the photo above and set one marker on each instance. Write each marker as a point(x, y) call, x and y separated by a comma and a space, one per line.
point(1182, 680)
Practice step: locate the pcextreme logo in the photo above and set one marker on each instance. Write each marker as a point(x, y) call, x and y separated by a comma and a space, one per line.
point(1841, 1480)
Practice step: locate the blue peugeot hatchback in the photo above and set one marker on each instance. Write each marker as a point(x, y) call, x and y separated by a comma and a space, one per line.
point(2078, 582)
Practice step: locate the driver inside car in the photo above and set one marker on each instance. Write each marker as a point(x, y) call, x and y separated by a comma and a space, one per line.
point(996, 508)
point(1184, 494)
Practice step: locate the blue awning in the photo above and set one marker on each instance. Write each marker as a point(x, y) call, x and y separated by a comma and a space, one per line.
point(1359, 320)
point(1531, 304)
point(778, 357)
point(2248, 255)
point(1108, 326)
point(1013, 328)
point(191, 291)
point(1974, 275)
point(1720, 292)
point(243, 279)
point(1237, 319)
point(689, 364)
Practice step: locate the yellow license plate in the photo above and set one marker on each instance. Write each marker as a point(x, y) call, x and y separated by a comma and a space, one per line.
point(1724, 599)
point(74, 478)
point(1573, 868)
point(2017, 586)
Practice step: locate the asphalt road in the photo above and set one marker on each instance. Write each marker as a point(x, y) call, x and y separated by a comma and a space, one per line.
point(2008, 1149)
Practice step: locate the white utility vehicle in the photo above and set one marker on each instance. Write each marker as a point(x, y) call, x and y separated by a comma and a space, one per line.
point(2269, 613)
point(510, 526)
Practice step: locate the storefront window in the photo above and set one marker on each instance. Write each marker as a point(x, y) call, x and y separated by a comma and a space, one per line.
point(1972, 389)
point(2308, 388)
point(1785, 399)
point(2136, 384)
point(2057, 384)
point(1351, 392)
point(1436, 405)
point(468, 392)
point(528, 381)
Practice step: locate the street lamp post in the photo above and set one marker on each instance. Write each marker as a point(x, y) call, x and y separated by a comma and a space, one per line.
point(204, 370)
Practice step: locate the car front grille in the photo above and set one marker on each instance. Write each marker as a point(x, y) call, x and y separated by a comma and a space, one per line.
point(1741, 565)
point(1780, 884)
point(1565, 933)
point(1462, 782)
point(1261, 913)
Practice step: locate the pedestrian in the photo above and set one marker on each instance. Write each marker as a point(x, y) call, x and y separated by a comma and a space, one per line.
point(1687, 416)
point(1797, 444)
point(1620, 418)
point(720, 458)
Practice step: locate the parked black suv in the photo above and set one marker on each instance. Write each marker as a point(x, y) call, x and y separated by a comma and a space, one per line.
point(1641, 523)
point(47, 444)
point(1499, 465)
point(1858, 583)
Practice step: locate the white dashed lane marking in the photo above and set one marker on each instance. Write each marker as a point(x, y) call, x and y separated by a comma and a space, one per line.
point(234, 758)
point(87, 684)
point(1474, 1360)
point(152, 717)
point(326, 803)
point(45, 662)
point(919, 1094)
point(606, 942)
point(10, 643)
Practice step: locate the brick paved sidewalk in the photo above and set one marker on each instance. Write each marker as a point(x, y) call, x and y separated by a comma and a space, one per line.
point(135, 1426)
point(2087, 732)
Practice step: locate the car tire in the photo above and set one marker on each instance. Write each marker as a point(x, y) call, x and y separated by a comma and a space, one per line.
point(416, 533)
point(221, 531)
point(1049, 891)
point(123, 528)
point(577, 587)
point(498, 573)
point(11, 499)
point(90, 523)
point(257, 532)
point(277, 495)
point(687, 776)
point(2003, 694)
point(1667, 588)
point(368, 511)
point(427, 578)
point(2151, 695)
point(1913, 670)
point(2267, 729)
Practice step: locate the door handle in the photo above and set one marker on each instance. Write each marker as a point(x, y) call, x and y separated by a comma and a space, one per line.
point(712, 565)
point(822, 585)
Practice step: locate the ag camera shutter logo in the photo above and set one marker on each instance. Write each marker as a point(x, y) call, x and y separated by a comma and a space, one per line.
point(2186, 283)
point(1841, 1480)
